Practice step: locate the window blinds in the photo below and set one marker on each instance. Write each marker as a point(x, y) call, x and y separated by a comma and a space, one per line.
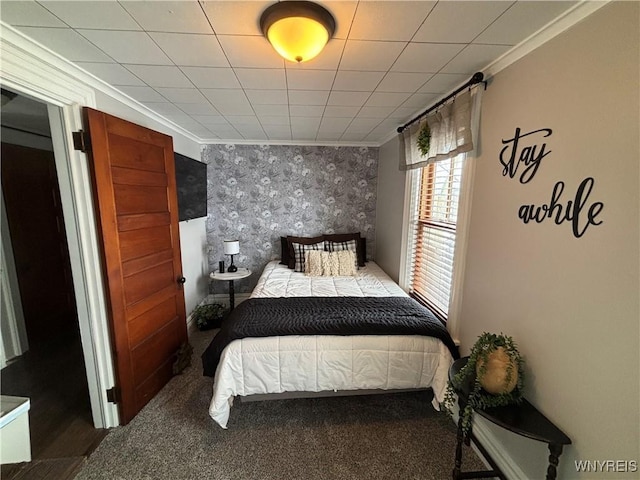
point(434, 235)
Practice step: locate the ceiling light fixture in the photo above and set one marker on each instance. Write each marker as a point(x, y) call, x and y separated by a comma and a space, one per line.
point(297, 30)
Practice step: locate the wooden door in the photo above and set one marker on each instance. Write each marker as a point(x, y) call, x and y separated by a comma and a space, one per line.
point(135, 190)
point(38, 239)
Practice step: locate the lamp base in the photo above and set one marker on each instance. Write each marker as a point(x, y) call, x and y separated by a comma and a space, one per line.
point(232, 268)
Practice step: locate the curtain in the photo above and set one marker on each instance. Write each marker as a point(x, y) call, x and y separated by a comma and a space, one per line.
point(451, 132)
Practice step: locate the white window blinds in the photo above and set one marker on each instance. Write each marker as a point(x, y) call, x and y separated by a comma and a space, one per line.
point(434, 232)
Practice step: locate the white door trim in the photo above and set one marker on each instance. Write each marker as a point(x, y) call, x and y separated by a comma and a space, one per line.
point(37, 72)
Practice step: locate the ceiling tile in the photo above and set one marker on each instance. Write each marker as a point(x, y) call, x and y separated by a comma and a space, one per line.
point(310, 79)
point(223, 131)
point(250, 52)
point(165, 16)
point(67, 43)
point(29, 13)
point(308, 97)
point(267, 97)
point(426, 57)
point(522, 20)
point(357, 81)
point(402, 82)
point(388, 20)
point(119, 45)
point(370, 55)
point(444, 82)
point(267, 110)
point(328, 136)
point(252, 134)
point(209, 77)
point(306, 111)
point(421, 100)
point(274, 120)
point(160, 76)
point(142, 94)
point(363, 124)
point(235, 18)
point(191, 50)
point(99, 15)
point(460, 21)
point(181, 95)
point(405, 113)
point(340, 111)
point(474, 58)
point(112, 73)
point(165, 108)
point(207, 120)
point(262, 78)
point(375, 112)
point(277, 132)
point(334, 125)
point(228, 101)
point(386, 99)
point(204, 108)
point(349, 99)
point(243, 120)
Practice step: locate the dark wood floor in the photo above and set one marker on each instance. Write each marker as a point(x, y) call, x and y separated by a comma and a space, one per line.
point(53, 376)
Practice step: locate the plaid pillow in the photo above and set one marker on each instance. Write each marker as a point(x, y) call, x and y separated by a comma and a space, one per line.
point(351, 245)
point(299, 250)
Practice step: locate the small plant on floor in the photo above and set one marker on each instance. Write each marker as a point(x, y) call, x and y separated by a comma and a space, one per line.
point(493, 377)
point(208, 316)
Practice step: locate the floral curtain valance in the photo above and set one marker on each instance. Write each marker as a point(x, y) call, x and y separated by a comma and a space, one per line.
point(451, 134)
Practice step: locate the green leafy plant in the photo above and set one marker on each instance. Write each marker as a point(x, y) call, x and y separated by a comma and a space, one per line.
point(424, 139)
point(208, 316)
point(469, 378)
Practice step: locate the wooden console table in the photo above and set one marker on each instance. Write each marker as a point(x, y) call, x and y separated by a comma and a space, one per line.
point(523, 419)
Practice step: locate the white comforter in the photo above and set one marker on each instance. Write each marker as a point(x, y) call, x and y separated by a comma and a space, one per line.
point(325, 362)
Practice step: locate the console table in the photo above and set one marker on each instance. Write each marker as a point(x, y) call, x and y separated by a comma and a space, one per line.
point(523, 419)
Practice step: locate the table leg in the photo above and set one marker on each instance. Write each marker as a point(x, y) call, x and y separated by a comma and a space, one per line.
point(459, 439)
point(554, 458)
point(231, 295)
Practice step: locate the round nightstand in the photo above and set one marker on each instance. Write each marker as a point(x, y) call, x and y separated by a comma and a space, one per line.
point(230, 277)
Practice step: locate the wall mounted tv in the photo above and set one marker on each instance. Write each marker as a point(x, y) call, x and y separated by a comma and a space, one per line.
point(191, 181)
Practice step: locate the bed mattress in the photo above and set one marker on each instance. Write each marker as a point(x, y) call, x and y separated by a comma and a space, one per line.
point(316, 363)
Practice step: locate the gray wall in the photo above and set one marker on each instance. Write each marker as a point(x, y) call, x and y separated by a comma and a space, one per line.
point(390, 204)
point(570, 303)
point(257, 193)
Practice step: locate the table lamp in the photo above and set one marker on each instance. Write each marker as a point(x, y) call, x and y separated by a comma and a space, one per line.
point(231, 247)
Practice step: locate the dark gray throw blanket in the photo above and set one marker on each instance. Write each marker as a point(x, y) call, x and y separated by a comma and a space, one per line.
point(271, 317)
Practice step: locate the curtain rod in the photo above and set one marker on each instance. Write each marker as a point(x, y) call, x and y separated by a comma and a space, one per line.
point(478, 77)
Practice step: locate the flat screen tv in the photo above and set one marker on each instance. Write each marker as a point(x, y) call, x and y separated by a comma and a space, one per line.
point(191, 181)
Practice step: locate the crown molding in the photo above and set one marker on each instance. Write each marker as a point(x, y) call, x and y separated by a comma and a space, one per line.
point(301, 143)
point(33, 58)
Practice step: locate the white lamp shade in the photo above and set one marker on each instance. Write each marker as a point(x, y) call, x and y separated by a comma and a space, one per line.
point(231, 247)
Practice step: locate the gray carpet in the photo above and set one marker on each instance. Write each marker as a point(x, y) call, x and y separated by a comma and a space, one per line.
point(389, 436)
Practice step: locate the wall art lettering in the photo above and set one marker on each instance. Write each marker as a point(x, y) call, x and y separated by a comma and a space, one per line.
point(525, 157)
point(513, 155)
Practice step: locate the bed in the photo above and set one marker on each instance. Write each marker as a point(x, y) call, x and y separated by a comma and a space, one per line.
point(303, 361)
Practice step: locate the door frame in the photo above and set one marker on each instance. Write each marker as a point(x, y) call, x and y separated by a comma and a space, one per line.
point(36, 72)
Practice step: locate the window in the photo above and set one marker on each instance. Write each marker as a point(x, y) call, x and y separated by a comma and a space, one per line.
point(436, 197)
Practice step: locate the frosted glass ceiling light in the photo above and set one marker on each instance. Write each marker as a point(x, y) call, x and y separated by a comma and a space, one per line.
point(297, 30)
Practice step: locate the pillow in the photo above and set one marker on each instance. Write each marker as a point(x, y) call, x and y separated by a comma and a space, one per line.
point(314, 262)
point(345, 237)
point(321, 263)
point(349, 245)
point(284, 251)
point(302, 240)
point(347, 264)
point(299, 250)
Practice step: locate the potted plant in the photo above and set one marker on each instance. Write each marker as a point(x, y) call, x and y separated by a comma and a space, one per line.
point(493, 376)
point(208, 316)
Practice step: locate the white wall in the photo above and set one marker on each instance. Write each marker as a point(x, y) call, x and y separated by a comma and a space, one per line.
point(389, 207)
point(572, 304)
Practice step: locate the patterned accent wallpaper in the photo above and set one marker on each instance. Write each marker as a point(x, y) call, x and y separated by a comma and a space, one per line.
point(257, 193)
